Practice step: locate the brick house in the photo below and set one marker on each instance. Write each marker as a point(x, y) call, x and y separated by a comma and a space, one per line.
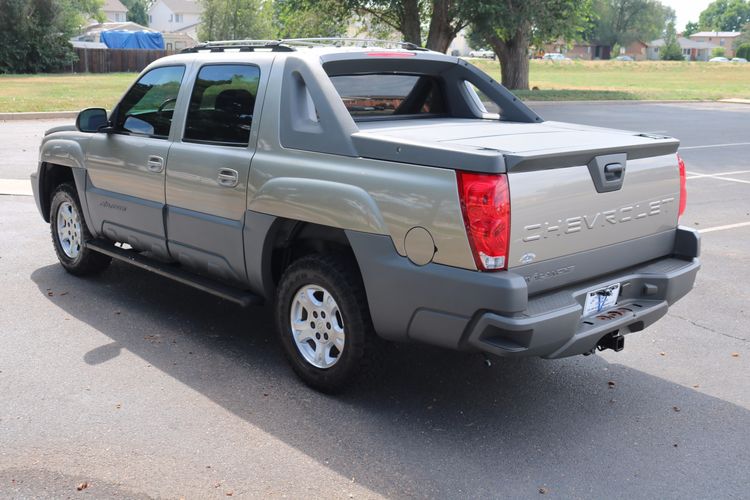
point(723, 39)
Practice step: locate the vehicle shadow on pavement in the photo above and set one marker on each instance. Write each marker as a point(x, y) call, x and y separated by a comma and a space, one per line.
point(435, 422)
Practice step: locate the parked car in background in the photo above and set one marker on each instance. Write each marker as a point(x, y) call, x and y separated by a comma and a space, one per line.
point(555, 56)
point(483, 53)
point(739, 60)
point(624, 58)
point(718, 59)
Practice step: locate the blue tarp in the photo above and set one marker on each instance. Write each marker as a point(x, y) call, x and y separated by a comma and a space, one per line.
point(119, 39)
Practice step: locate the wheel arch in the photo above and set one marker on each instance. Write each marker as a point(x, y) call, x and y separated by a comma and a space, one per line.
point(273, 243)
point(52, 175)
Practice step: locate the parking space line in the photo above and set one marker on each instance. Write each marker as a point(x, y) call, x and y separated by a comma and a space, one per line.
point(15, 187)
point(716, 145)
point(720, 177)
point(724, 228)
point(696, 175)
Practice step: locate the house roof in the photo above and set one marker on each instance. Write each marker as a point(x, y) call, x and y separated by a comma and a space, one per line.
point(113, 6)
point(720, 34)
point(684, 43)
point(184, 6)
point(128, 26)
point(185, 28)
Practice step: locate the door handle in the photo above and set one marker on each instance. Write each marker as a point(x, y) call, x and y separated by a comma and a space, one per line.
point(155, 163)
point(228, 177)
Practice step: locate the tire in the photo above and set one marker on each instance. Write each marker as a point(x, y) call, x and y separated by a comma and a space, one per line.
point(327, 351)
point(70, 234)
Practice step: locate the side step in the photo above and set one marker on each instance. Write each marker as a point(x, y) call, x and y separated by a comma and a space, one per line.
point(241, 297)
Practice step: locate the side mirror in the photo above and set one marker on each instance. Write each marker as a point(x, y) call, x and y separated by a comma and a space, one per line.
point(92, 120)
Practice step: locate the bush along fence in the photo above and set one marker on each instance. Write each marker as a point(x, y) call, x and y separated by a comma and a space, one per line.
point(115, 60)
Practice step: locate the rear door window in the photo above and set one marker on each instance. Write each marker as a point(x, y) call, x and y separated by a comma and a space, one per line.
point(148, 106)
point(222, 104)
point(380, 95)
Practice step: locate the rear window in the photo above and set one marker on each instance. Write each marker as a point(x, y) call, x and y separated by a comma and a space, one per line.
point(380, 95)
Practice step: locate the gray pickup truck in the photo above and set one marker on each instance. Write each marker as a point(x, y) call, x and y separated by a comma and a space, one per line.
point(373, 193)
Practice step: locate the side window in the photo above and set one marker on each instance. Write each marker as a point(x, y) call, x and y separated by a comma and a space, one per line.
point(222, 104)
point(148, 107)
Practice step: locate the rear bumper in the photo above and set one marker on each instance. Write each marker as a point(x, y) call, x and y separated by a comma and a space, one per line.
point(492, 312)
point(552, 325)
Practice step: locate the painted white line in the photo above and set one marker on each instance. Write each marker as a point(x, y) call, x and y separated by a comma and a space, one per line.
point(16, 187)
point(724, 228)
point(716, 145)
point(696, 175)
point(721, 178)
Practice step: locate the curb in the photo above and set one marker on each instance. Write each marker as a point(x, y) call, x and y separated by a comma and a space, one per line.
point(15, 187)
point(38, 115)
point(735, 101)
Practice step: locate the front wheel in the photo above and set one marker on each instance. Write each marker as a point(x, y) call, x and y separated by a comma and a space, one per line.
point(323, 321)
point(69, 234)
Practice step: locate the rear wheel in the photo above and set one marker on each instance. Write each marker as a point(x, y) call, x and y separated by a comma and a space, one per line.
point(323, 322)
point(69, 234)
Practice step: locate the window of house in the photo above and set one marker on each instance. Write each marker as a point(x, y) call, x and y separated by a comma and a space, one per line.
point(222, 104)
point(373, 95)
point(178, 18)
point(148, 106)
point(171, 18)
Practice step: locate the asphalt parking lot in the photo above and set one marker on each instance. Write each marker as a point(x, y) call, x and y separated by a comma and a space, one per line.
point(138, 386)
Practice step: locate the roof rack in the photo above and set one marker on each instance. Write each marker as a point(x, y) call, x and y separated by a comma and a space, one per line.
point(240, 45)
point(288, 44)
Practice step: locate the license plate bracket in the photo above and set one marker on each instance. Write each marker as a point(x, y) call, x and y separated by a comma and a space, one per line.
point(601, 299)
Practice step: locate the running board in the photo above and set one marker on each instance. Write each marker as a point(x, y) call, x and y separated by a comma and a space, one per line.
point(241, 297)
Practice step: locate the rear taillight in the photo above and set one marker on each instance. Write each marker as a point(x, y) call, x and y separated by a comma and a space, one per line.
point(683, 186)
point(485, 203)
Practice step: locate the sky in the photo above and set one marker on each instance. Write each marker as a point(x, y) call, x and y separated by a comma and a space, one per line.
point(687, 10)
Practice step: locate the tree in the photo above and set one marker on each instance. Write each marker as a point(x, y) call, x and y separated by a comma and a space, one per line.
point(236, 20)
point(625, 21)
point(310, 18)
point(511, 26)
point(691, 28)
point(443, 19)
point(671, 50)
point(725, 15)
point(137, 11)
point(34, 34)
point(743, 50)
point(718, 52)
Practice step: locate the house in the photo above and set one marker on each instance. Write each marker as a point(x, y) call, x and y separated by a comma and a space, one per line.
point(691, 50)
point(115, 11)
point(578, 50)
point(175, 16)
point(638, 50)
point(723, 39)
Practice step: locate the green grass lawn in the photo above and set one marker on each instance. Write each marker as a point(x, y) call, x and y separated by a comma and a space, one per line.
point(62, 92)
point(570, 80)
point(583, 80)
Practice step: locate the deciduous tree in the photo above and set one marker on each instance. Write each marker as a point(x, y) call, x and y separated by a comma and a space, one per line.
point(34, 34)
point(625, 21)
point(671, 50)
point(511, 26)
point(691, 28)
point(137, 11)
point(310, 18)
point(236, 20)
point(725, 15)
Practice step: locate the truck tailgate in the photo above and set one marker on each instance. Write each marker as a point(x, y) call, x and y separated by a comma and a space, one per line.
point(557, 208)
